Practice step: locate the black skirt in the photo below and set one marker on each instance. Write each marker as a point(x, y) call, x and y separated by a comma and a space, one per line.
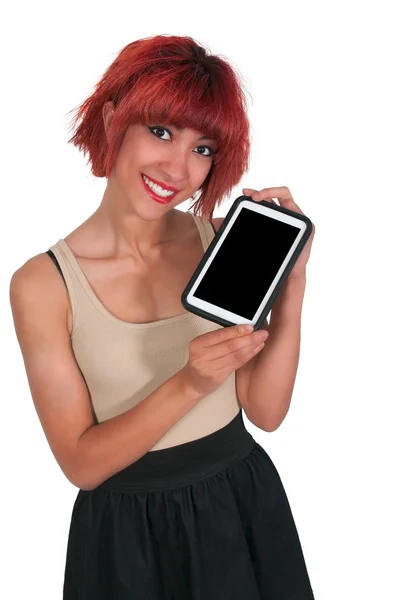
point(204, 520)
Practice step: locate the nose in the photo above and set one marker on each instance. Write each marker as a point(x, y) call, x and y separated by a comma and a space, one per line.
point(175, 167)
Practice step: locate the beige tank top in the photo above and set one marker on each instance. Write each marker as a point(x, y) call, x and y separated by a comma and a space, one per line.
point(122, 363)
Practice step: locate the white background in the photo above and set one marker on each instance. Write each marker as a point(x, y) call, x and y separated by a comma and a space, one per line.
point(323, 109)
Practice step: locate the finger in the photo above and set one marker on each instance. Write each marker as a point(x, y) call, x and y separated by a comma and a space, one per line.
point(256, 195)
point(221, 335)
point(282, 194)
point(249, 191)
point(234, 345)
point(235, 360)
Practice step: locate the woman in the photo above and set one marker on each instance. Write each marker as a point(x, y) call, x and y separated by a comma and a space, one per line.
point(141, 401)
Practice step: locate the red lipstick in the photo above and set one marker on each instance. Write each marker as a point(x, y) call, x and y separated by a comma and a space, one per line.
point(153, 194)
point(163, 185)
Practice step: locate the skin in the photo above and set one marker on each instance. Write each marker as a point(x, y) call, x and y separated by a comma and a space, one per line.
point(138, 256)
point(132, 248)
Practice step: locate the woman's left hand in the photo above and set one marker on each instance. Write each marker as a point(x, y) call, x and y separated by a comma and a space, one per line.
point(286, 201)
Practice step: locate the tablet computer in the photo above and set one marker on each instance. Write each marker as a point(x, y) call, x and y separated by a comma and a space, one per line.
point(247, 262)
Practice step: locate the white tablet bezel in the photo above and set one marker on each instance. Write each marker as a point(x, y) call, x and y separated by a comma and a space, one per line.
point(225, 314)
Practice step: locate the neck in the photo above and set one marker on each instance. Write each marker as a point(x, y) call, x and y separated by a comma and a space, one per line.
point(126, 230)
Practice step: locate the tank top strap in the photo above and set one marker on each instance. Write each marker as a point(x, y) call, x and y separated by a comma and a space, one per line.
point(206, 230)
point(82, 296)
point(75, 281)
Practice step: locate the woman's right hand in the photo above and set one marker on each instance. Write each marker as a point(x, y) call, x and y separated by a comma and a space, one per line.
point(213, 356)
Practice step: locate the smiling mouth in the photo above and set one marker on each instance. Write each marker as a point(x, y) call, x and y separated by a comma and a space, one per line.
point(159, 193)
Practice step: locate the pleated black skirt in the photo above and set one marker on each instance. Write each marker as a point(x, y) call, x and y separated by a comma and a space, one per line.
point(204, 520)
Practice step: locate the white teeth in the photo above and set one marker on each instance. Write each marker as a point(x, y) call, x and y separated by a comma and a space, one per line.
point(156, 188)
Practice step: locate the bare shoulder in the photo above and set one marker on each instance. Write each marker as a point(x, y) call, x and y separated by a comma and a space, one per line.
point(38, 275)
point(36, 287)
point(60, 395)
point(217, 222)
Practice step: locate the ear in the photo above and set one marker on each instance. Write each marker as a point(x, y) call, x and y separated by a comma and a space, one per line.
point(107, 115)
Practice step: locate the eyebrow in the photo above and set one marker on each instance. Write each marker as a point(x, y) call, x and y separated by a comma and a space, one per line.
point(204, 137)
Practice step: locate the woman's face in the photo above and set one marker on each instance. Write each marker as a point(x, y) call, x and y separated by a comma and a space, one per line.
point(161, 166)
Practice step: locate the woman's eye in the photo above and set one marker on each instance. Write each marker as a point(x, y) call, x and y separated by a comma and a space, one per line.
point(210, 150)
point(159, 131)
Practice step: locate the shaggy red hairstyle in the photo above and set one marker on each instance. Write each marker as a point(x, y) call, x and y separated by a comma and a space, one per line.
point(170, 79)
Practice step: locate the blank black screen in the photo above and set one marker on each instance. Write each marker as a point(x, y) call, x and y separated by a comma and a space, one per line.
point(247, 263)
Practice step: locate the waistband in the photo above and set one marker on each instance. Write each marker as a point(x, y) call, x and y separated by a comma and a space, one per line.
point(186, 463)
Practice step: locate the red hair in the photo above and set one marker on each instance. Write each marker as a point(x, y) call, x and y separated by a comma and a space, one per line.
point(170, 79)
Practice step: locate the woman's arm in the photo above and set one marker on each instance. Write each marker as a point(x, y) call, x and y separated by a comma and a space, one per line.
point(264, 385)
point(87, 452)
point(269, 387)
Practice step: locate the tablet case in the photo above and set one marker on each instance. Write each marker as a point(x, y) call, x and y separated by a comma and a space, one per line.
point(289, 267)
